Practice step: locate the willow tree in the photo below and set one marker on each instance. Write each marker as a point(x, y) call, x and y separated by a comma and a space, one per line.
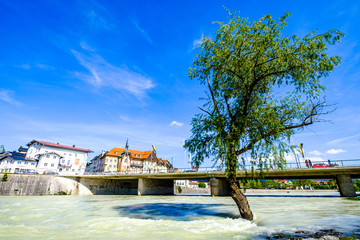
point(261, 88)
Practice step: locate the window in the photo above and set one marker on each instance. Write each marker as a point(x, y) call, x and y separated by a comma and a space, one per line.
point(63, 161)
point(47, 156)
point(54, 157)
point(116, 153)
point(32, 163)
point(68, 162)
point(64, 153)
point(26, 162)
point(19, 162)
point(46, 151)
point(75, 154)
point(110, 160)
point(45, 164)
point(70, 154)
point(52, 164)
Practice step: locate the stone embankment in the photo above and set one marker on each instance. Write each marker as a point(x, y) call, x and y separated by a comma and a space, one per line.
point(32, 185)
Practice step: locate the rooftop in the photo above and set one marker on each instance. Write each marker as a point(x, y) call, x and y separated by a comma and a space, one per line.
point(134, 153)
point(58, 145)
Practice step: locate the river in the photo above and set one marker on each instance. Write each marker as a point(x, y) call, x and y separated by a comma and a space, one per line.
point(169, 217)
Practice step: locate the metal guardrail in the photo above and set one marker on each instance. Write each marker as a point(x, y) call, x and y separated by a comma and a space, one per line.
point(302, 165)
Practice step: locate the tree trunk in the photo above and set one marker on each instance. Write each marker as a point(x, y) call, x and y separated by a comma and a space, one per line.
point(239, 198)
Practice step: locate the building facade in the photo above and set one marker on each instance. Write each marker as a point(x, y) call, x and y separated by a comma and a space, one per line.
point(57, 158)
point(15, 161)
point(124, 160)
point(95, 164)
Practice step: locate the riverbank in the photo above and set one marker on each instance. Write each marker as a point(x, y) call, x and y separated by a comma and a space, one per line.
point(35, 185)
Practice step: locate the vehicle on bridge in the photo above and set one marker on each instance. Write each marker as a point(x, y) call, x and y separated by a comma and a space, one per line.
point(320, 165)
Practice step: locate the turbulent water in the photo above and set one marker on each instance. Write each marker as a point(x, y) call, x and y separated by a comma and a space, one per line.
point(169, 217)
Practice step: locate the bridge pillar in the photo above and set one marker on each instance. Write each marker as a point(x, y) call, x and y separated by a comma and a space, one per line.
point(218, 187)
point(346, 186)
point(148, 186)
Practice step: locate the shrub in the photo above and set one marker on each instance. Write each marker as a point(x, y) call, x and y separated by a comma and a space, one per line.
point(357, 185)
point(202, 185)
point(179, 189)
point(5, 177)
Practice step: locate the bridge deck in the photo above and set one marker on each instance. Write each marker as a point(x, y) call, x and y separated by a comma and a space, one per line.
point(302, 173)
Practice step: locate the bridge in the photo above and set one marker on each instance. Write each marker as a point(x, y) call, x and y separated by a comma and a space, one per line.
point(163, 183)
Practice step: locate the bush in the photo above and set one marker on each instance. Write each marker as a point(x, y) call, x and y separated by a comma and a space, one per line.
point(5, 177)
point(179, 189)
point(322, 187)
point(202, 185)
point(357, 185)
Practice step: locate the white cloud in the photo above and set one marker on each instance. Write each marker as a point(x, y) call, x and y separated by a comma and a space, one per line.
point(316, 153)
point(24, 66)
point(196, 43)
point(315, 159)
point(96, 21)
point(175, 123)
point(98, 136)
point(141, 30)
point(339, 140)
point(6, 96)
point(103, 74)
point(335, 151)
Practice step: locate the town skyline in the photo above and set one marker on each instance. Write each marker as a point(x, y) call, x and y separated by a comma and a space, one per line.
point(94, 74)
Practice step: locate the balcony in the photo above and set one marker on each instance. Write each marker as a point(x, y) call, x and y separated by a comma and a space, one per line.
point(136, 164)
point(65, 165)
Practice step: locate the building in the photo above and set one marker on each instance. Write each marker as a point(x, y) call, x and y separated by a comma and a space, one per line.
point(124, 160)
point(57, 158)
point(95, 164)
point(16, 162)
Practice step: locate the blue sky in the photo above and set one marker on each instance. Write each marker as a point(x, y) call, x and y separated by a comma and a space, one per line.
point(94, 73)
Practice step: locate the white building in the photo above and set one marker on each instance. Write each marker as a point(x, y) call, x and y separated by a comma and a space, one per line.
point(57, 158)
point(15, 162)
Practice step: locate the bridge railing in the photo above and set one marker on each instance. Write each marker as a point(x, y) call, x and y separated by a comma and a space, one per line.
point(249, 167)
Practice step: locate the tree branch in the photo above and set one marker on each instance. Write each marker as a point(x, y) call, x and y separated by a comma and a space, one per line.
point(308, 120)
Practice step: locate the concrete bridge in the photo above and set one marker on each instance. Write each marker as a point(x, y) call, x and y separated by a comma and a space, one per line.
point(163, 183)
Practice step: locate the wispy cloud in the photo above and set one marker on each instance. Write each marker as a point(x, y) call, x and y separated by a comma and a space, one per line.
point(316, 153)
point(24, 66)
point(339, 140)
point(7, 96)
point(37, 65)
point(141, 30)
point(335, 151)
point(96, 21)
point(196, 43)
point(98, 136)
point(317, 159)
point(103, 74)
point(175, 123)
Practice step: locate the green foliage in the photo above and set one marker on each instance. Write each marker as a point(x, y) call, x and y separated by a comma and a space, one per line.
point(354, 198)
point(179, 189)
point(61, 193)
point(262, 87)
point(270, 184)
point(321, 187)
point(357, 185)
point(202, 185)
point(5, 177)
point(303, 183)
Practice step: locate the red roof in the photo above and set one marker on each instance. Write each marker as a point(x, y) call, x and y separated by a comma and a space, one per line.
point(60, 146)
point(135, 153)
